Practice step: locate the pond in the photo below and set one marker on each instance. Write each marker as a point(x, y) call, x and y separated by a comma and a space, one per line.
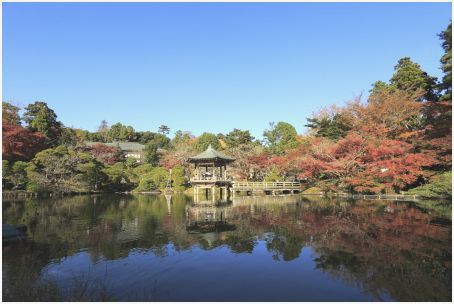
point(273, 248)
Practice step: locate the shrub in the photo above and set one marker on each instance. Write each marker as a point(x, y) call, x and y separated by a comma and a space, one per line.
point(156, 179)
point(438, 186)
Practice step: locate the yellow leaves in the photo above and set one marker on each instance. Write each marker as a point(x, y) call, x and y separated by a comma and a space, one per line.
point(222, 143)
point(387, 113)
point(409, 135)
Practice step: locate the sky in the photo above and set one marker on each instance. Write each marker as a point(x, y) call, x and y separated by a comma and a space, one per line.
point(208, 66)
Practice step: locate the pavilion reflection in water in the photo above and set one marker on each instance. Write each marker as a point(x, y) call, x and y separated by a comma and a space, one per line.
point(209, 220)
point(216, 216)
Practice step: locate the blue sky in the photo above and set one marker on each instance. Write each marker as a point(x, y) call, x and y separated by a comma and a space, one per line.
point(211, 66)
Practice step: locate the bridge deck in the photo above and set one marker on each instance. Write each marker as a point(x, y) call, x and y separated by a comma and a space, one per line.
point(266, 186)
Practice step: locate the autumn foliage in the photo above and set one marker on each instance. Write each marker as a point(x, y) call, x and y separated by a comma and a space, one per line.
point(105, 154)
point(392, 145)
point(19, 143)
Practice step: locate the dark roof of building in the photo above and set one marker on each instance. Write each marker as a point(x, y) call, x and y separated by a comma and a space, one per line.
point(124, 146)
point(210, 154)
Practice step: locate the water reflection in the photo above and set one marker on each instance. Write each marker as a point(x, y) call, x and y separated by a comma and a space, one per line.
point(255, 248)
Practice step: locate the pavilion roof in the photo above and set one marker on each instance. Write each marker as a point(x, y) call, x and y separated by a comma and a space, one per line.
point(210, 154)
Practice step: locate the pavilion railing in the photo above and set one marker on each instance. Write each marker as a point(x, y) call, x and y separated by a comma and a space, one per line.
point(209, 178)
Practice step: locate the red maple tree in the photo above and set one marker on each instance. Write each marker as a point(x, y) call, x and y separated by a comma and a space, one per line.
point(21, 144)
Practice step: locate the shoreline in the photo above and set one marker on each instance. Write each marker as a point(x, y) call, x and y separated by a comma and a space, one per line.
point(22, 194)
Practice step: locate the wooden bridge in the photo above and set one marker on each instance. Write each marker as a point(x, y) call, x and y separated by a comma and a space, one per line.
point(266, 187)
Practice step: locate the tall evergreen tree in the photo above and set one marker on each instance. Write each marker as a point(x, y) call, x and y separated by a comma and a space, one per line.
point(379, 87)
point(330, 127)
point(446, 64)
point(238, 137)
point(409, 77)
point(39, 117)
point(163, 129)
point(103, 131)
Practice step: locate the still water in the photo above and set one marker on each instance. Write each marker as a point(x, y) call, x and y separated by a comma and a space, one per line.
point(292, 248)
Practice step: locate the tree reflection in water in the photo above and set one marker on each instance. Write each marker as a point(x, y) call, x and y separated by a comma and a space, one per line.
point(379, 246)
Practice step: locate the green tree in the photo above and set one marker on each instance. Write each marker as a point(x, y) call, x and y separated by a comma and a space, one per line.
point(103, 131)
point(120, 132)
point(409, 77)
point(145, 136)
point(129, 133)
point(446, 64)
point(163, 129)
point(280, 138)
point(64, 170)
point(6, 174)
point(68, 137)
point(82, 135)
point(238, 137)
point(10, 114)
point(19, 175)
point(151, 150)
point(156, 179)
point(379, 87)
point(91, 174)
point(273, 176)
point(94, 136)
point(140, 171)
point(206, 139)
point(118, 177)
point(333, 127)
point(181, 138)
point(114, 132)
point(179, 179)
point(39, 117)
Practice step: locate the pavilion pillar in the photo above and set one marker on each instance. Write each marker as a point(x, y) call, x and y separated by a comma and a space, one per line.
point(227, 193)
point(213, 193)
point(196, 194)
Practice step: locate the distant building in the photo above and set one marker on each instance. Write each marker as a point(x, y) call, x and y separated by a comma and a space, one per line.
point(130, 149)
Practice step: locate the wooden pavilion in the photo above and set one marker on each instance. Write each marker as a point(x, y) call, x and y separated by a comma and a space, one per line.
point(210, 173)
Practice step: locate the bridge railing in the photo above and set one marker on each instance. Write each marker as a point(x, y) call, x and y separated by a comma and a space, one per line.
point(266, 185)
